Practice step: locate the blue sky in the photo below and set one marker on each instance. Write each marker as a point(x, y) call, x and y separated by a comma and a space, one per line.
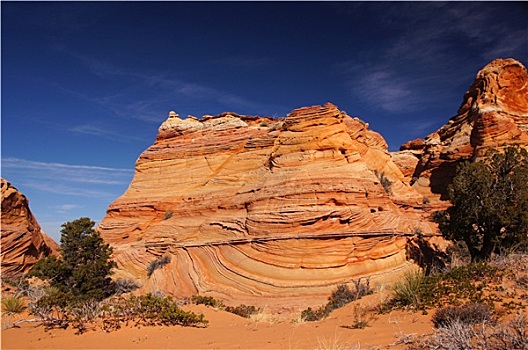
point(85, 85)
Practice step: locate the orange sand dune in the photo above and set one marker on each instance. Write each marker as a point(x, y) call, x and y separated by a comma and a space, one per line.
point(228, 331)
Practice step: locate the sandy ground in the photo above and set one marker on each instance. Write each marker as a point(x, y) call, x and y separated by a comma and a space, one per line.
point(228, 331)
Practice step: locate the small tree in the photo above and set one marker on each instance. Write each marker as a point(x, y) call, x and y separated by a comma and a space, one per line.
point(489, 209)
point(84, 266)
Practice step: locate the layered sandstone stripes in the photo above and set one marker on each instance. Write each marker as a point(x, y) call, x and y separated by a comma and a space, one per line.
point(493, 114)
point(253, 207)
point(23, 243)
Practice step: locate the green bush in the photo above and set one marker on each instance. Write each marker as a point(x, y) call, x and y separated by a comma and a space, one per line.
point(461, 284)
point(148, 310)
point(310, 315)
point(157, 264)
point(341, 296)
point(207, 301)
point(409, 289)
point(12, 304)
point(243, 310)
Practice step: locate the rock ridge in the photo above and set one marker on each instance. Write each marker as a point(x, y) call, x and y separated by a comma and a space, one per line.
point(23, 242)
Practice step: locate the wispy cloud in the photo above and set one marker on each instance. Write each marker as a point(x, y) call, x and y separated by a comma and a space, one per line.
point(66, 179)
point(380, 87)
point(65, 208)
point(402, 75)
point(102, 132)
point(148, 95)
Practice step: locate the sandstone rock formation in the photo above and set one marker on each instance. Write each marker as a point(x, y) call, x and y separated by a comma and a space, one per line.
point(23, 242)
point(493, 114)
point(253, 208)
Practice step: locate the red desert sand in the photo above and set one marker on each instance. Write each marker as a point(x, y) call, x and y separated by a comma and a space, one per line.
point(228, 331)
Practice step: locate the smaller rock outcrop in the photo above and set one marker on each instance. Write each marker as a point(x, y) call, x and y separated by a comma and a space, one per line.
point(23, 242)
point(493, 114)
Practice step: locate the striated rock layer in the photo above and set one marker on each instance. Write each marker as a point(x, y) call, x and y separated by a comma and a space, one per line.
point(23, 242)
point(493, 114)
point(253, 208)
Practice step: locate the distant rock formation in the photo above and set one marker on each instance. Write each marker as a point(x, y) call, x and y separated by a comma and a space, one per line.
point(253, 208)
point(23, 242)
point(493, 114)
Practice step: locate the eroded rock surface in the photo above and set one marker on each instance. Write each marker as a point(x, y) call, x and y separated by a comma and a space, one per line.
point(250, 209)
point(493, 114)
point(23, 242)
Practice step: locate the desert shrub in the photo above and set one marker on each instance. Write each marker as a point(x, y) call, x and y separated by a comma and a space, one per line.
point(514, 267)
point(22, 288)
point(157, 264)
point(469, 314)
point(461, 284)
point(362, 289)
point(310, 315)
point(83, 313)
point(207, 301)
point(409, 289)
point(122, 285)
point(12, 304)
point(148, 310)
point(153, 309)
point(51, 307)
point(384, 181)
point(361, 317)
point(243, 310)
point(455, 334)
point(144, 310)
point(168, 215)
point(56, 298)
point(475, 271)
point(19, 284)
point(512, 335)
point(341, 296)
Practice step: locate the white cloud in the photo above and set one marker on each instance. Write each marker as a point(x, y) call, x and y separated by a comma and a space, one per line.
point(65, 208)
point(59, 178)
point(379, 87)
point(163, 88)
point(403, 75)
point(102, 132)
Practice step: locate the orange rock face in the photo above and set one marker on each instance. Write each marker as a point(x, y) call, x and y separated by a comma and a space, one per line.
point(493, 114)
point(23, 242)
point(252, 208)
